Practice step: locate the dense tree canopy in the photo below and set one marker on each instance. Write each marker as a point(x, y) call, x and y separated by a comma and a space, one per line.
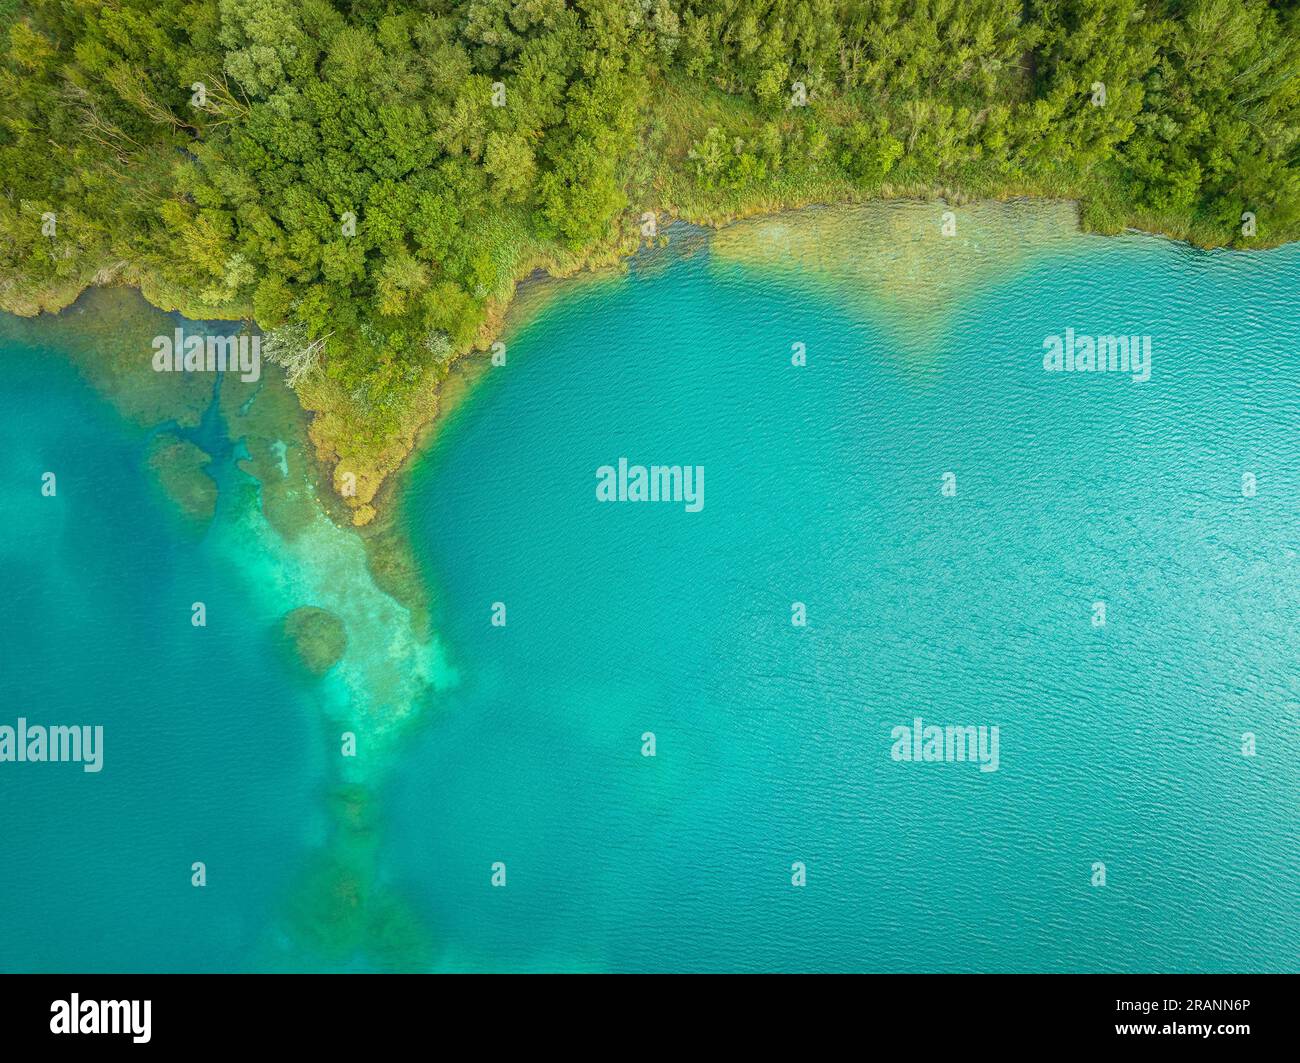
point(371, 174)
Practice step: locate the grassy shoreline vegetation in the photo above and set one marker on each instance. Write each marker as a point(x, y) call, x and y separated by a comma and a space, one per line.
point(367, 181)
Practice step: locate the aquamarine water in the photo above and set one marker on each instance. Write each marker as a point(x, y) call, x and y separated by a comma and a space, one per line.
point(1120, 744)
point(211, 749)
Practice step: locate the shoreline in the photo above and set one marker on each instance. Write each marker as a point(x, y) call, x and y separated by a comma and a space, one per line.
point(375, 508)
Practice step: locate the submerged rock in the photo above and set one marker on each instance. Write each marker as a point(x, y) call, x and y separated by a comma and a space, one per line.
point(180, 467)
point(318, 637)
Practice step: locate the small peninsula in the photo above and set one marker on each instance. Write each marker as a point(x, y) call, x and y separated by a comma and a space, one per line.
point(367, 185)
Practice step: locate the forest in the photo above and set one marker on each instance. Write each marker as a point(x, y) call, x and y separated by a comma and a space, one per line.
point(366, 181)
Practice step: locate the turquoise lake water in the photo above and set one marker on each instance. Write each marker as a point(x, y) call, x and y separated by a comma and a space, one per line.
point(210, 751)
point(1119, 744)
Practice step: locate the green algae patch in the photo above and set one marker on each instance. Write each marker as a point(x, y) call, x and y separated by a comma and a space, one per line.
point(109, 335)
point(908, 265)
point(339, 916)
point(317, 636)
point(340, 911)
point(181, 470)
point(266, 417)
